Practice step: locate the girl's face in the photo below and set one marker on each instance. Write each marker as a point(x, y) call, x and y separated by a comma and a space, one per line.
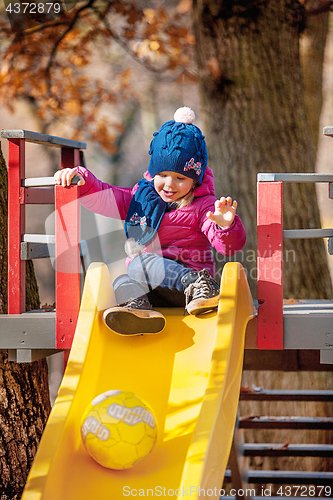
point(172, 186)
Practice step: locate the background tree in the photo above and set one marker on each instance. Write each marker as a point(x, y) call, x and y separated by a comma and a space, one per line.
point(50, 64)
point(256, 120)
point(253, 103)
point(312, 50)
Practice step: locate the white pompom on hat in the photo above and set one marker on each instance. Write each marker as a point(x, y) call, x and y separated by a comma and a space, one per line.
point(184, 115)
point(179, 146)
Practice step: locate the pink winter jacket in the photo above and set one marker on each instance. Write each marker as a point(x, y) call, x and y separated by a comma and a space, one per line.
point(184, 235)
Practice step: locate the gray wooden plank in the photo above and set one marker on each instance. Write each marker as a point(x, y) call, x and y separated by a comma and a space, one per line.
point(308, 329)
point(309, 305)
point(30, 251)
point(328, 131)
point(38, 181)
point(330, 246)
point(44, 181)
point(41, 249)
point(286, 477)
point(48, 140)
point(307, 233)
point(286, 395)
point(30, 330)
point(291, 477)
point(326, 356)
point(289, 450)
point(39, 238)
point(307, 423)
point(30, 355)
point(294, 177)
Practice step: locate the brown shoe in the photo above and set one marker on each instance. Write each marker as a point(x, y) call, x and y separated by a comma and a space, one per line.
point(202, 295)
point(136, 317)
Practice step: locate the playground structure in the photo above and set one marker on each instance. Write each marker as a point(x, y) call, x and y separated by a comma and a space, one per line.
point(279, 327)
point(31, 336)
point(191, 379)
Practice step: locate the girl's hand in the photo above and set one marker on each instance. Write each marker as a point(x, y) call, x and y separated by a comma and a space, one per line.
point(225, 210)
point(65, 175)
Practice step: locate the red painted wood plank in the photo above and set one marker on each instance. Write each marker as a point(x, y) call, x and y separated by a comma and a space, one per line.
point(70, 158)
point(270, 265)
point(67, 255)
point(37, 196)
point(16, 227)
point(67, 264)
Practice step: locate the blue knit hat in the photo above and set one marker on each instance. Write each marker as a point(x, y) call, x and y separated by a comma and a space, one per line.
point(179, 146)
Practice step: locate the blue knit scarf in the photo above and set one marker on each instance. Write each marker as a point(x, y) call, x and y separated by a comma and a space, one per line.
point(145, 213)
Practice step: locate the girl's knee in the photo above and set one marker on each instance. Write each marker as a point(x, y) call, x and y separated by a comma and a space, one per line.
point(147, 269)
point(120, 280)
point(138, 267)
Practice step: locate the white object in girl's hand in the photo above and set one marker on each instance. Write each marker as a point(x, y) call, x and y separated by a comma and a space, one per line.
point(133, 248)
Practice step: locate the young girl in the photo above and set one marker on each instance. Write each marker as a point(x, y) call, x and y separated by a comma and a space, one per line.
point(171, 220)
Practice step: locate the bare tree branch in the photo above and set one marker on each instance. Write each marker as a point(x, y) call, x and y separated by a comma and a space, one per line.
point(88, 5)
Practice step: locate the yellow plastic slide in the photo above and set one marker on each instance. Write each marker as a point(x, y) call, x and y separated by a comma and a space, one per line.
point(189, 374)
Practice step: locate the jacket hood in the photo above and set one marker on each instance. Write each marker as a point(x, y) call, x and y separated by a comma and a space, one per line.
point(206, 188)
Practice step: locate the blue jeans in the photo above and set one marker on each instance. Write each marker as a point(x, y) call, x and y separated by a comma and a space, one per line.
point(153, 277)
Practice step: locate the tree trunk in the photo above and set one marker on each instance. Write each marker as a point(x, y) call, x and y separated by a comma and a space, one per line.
point(312, 50)
point(24, 391)
point(255, 119)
